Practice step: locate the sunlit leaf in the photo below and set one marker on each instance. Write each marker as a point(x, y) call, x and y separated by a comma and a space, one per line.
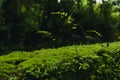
point(23, 9)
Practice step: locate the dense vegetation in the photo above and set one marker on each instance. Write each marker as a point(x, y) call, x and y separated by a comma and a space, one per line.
point(83, 62)
point(34, 24)
point(59, 40)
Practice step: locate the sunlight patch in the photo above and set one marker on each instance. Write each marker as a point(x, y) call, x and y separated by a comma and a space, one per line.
point(100, 1)
point(59, 0)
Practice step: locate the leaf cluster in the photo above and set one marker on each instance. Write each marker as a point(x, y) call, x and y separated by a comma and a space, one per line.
point(84, 62)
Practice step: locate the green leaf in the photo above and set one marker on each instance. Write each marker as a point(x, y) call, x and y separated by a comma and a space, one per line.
point(23, 9)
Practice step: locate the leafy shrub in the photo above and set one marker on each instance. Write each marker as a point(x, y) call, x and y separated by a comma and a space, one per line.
point(105, 66)
point(86, 62)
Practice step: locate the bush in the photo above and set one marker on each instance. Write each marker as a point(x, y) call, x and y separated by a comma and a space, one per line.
point(66, 63)
point(103, 67)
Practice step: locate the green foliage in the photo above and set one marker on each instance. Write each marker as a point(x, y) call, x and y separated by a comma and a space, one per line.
point(23, 23)
point(33, 24)
point(23, 8)
point(77, 62)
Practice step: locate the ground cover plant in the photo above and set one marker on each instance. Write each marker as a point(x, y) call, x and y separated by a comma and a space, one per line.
point(77, 62)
